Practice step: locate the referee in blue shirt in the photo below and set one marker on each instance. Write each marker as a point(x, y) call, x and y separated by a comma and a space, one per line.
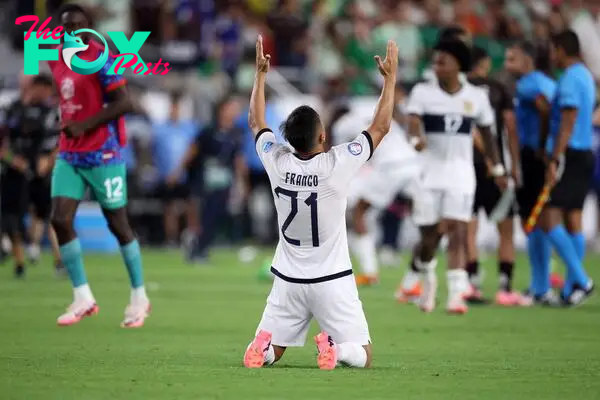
point(571, 163)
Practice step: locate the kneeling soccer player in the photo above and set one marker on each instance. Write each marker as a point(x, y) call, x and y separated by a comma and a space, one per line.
point(312, 268)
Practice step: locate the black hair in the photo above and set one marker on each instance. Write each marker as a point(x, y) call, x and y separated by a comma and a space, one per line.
point(568, 41)
point(452, 32)
point(542, 59)
point(478, 54)
point(457, 49)
point(42, 80)
point(175, 95)
point(300, 128)
point(72, 8)
point(528, 48)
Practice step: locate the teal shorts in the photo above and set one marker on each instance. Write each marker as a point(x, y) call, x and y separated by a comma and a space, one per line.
point(108, 183)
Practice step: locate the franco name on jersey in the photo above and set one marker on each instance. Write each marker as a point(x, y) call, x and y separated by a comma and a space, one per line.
point(301, 180)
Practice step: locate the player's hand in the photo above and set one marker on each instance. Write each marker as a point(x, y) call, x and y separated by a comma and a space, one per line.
point(263, 61)
point(501, 182)
point(551, 174)
point(418, 142)
point(44, 166)
point(389, 66)
point(173, 179)
point(20, 164)
point(75, 129)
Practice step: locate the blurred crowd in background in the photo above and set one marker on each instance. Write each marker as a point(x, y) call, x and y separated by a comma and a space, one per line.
point(320, 48)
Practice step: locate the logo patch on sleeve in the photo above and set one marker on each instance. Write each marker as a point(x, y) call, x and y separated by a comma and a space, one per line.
point(355, 148)
point(267, 147)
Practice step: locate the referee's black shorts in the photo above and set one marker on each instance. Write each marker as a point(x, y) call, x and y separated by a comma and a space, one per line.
point(533, 175)
point(575, 181)
point(487, 193)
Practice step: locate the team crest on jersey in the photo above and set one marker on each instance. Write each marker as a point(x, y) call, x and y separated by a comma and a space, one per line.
point(67, 88)
point(355, 148)
point(468, 107)
point(267, 147)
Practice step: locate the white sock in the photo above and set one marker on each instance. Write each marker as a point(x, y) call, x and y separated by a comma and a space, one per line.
point(426, 268)
point(351, 354)
point(458, 282)
point(139, 295)
point(270, 355)
point(365, 249)
point(83, 293)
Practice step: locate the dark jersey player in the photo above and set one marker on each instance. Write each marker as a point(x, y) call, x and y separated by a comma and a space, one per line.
point(498, 206)
point(30, 127)
point(92, 109)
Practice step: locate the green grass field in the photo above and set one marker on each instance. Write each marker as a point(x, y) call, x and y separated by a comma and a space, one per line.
point(203, 319)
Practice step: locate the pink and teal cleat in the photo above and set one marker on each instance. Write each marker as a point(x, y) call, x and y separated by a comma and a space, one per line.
point(136, 314)
point(76, 312)
point(255, 353)
point(327, 358)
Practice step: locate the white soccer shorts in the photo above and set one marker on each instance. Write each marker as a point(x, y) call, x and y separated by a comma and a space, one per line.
point(380, 187)
point(431, 206)
point(334, 304)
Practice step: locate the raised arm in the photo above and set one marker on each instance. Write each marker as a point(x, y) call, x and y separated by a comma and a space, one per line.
point(256, 114)
point(384, 111)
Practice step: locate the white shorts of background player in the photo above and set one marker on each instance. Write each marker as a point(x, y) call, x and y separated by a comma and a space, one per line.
point(334, 304)
point(379, 185)
point(431, 206)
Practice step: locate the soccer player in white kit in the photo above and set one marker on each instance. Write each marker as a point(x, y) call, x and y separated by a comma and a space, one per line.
point(446, 111)
point(393, 169)
point(312, 268)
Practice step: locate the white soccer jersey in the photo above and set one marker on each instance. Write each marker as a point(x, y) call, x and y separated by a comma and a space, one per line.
point(310, 198)
point(448, 121)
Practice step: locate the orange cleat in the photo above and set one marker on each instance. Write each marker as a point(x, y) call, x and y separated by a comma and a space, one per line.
point(366, 280)
point(327, 358)
point(410, 295)
point(255, 354)
point(456, 305)
point(136, 314)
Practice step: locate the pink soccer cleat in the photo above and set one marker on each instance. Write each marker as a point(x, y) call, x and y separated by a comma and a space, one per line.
point(327, 358)
point(136, 314)
point(456, 305)
point(512, 299)
point(255, 353)
point(76, 312)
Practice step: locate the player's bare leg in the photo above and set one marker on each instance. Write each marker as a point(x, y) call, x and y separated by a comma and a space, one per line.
point(426, 264)
point(36, 231)
point(84, 303)
point(474, 294)
point(458, 282)
point(139, 306)
point(506, 296)
point(364, 246)
point(58, 264)
point(410, 289)
point(171, 223)
point(261, 352)
point(349, 354)
point(15, 230)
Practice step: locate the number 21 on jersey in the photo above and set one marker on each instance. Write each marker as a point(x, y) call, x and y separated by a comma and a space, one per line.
point(311, 201)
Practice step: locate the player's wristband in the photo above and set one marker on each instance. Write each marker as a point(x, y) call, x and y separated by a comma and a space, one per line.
point(498, 170)
point(414, 141)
